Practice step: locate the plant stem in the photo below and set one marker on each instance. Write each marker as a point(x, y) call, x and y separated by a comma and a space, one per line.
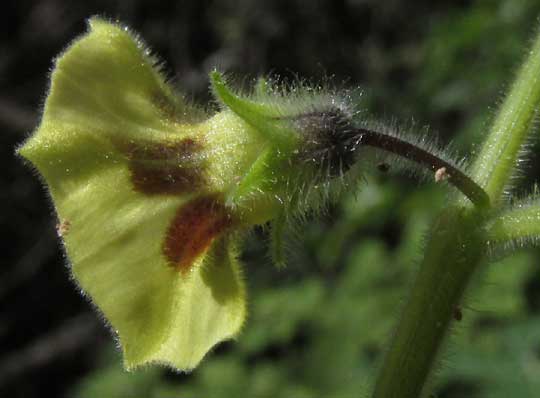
point(497, 160)
point(452, 255)
point(457, 243)
point(517, 224)
point(421, 156)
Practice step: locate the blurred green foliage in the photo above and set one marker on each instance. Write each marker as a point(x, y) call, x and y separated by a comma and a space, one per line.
point(318, 327)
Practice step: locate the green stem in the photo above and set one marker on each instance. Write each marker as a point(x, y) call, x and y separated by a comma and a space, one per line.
point(451, 257)
point(520, 223)
point(498, 157)
point(457, 244)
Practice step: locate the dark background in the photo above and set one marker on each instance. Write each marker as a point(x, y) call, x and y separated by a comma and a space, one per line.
point(317, 328)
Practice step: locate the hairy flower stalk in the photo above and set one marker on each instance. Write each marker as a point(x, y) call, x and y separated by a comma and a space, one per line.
point(423, 157)
point(338, 139)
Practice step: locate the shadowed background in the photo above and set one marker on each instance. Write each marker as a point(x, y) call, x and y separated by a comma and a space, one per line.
point(317, 328)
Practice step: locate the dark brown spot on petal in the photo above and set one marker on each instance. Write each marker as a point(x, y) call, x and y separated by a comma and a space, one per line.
point(166, 168)
point(166, 180)
point(194, 227)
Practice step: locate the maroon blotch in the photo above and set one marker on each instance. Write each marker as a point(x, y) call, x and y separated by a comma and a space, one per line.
point(194, 227)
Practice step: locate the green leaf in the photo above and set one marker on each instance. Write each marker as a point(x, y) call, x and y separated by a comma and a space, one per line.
point(149, 240)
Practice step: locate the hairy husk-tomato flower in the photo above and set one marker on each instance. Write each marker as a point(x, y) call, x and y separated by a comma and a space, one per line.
point(152, 194)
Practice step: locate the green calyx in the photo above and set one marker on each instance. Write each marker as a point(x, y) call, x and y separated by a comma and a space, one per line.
point(294, 159)
point(264, 118)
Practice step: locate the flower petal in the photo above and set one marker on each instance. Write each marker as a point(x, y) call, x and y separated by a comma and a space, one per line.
point(119, 154)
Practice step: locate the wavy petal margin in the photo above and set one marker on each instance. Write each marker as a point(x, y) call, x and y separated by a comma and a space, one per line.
point(104, 150)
